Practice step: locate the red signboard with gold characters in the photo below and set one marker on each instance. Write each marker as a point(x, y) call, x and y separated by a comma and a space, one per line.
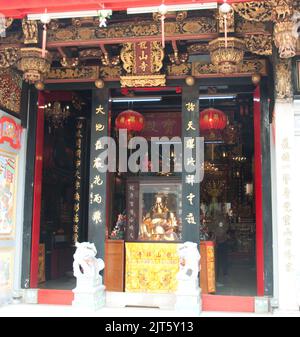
point(207, 272)
point(10, 132)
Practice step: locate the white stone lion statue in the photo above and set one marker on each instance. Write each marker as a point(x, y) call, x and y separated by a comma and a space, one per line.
point(86, 266)
point(189, 259)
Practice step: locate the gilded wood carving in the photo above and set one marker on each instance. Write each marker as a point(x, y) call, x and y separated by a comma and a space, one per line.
point(30, 31)
point(260, 11)
point(81, 72)
point(8, 57)
point(10, 90)
point(259, 44)
point(283, 80)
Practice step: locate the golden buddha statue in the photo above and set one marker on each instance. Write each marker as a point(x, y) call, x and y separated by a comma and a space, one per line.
point(159, 223)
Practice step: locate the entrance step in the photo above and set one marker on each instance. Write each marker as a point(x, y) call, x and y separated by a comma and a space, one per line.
point(126, 299)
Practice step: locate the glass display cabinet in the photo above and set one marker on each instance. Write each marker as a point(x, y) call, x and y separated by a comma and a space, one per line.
point(154, 209)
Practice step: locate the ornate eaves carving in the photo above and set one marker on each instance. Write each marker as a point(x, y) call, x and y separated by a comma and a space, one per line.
point(81, 72)
point(179, 70)
point(198, 48)
point(30, 31)
point(283, 80)
point(248, 67)
point(259, 44)
point(110, 72)
point(8, 57)
point(230, 22)
point(199, 25)
point(143, 81)
point(260, 11)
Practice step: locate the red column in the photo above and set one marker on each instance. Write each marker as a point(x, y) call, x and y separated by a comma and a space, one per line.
point(258, 194)
point(37, 192)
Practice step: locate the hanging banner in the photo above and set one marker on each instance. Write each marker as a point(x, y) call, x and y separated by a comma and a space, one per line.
point(151, 267)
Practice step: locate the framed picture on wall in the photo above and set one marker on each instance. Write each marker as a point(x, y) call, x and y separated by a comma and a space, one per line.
point(8, 177)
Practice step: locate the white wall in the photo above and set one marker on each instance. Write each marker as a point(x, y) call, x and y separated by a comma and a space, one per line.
point(274, 216)
point(286, 206)
point(297, 196)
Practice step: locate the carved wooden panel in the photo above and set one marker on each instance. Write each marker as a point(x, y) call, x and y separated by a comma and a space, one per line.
point(207, 271)
point(114, 265)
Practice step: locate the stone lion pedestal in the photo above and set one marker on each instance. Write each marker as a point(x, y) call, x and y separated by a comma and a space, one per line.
point(89, 292)
point(188, 294)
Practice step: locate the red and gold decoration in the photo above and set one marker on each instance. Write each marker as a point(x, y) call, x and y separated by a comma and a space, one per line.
point(10, 132)
point(151, 267)
point(212, 122)
point(130, 120)
point(207, 274)
point(10, 90)
point(227, 54)
point(212, 119)
point(34, 66)
point(142, 61)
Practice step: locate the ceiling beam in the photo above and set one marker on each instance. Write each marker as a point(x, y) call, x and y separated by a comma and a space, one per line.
point(99, 42)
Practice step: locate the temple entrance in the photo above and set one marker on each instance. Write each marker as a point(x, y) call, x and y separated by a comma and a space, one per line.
point(227, 191)
point(63, 211)
point(147, 207)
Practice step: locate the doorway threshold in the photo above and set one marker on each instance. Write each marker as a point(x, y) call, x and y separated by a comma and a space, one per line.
point(221, 303)
point(228, 303)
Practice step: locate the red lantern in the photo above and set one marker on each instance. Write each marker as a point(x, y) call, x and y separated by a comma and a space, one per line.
point(212, 119)
point(130, 120)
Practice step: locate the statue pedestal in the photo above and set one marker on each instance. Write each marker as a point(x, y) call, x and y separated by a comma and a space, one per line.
point(89, 292)
point(188, 298)
point(90, 298)
point(188, 294)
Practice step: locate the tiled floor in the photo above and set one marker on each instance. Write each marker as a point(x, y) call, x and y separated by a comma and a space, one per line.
point(241, 280)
